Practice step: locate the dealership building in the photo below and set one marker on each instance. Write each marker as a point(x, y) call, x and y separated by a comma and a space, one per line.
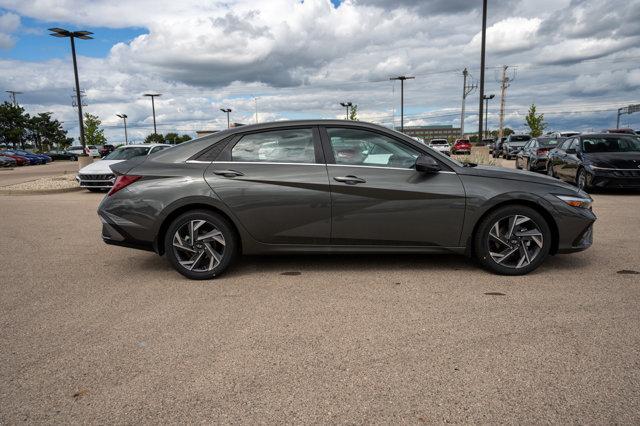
point(432, 132)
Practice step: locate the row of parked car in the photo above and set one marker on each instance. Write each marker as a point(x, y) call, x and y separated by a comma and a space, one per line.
point(19, 157)
point(460, 146)
point(589, 160)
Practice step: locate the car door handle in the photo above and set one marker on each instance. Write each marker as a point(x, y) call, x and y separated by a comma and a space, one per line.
point(349, 179)
point(228, 173)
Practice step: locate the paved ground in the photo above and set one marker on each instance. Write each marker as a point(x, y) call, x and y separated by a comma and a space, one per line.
point(28, 173)
point(91, 333)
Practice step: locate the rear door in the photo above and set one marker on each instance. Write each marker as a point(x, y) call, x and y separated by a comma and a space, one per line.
point(275, 182)
point(378, 198)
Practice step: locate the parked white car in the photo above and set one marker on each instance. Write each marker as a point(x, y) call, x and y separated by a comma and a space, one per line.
point(441, 145)
point(94, 151)
point(98, 176)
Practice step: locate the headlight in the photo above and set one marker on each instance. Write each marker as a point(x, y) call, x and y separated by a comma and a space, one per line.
point(573, 201)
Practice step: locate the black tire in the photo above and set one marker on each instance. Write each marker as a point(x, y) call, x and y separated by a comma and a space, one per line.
point(550, 171)
point(229, 253)
point(518, 164)
point(529, 166)
point(582, 179)
point(95, 189)
point(482, 238)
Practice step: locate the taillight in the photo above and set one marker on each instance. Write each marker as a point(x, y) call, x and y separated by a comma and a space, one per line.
point(122, 181)
point(542, 151)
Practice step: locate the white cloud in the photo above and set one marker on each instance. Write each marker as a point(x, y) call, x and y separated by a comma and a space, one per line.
point(509, 35)
point(9, 23)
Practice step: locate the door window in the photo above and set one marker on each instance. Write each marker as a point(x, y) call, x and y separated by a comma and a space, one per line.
point(364, 148)
point(280, 146)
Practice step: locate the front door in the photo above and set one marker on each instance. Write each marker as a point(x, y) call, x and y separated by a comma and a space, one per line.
point(378, 198)
point(276, 183)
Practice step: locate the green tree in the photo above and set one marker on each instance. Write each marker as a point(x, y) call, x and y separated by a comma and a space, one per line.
point(353, 115)
point(506, 131)
point(45, 132)
point(154, 138)
point(535, 121)
point(93, 134)
point(13, 123)
point(174, 138)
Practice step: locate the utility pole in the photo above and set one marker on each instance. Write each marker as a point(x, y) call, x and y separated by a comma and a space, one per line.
point(482, 61)
point(505, 81)
point(346, 105)
point(153, 108)
point(466, 89)
point(402, 78)
point(13, 94)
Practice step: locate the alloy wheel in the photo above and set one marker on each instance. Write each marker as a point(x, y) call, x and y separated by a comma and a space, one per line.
point(515, 241)
point(199, 246)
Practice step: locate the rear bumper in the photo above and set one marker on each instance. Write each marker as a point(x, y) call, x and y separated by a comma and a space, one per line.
point(117, 235)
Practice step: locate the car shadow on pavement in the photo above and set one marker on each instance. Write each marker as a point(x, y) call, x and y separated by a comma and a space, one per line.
point(294, 264)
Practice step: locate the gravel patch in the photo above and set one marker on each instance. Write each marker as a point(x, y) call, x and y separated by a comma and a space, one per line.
point(53, 184)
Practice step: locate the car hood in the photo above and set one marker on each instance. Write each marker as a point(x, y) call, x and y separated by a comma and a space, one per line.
point(99, 167)
point(511, 174)
point(614, 160)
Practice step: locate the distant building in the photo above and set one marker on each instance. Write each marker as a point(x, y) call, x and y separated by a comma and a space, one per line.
point(201, 133)
point(432, 132)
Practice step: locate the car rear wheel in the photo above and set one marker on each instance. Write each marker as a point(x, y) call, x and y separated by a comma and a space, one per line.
point(200, 244)
point(513, 240)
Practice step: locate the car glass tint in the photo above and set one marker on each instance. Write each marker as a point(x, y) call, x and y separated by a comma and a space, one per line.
point(127, 153)
point(281, 146)
point(365, 148)
point(611, 144)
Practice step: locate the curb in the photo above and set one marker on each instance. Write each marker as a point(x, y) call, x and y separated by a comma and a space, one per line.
point(38, 192)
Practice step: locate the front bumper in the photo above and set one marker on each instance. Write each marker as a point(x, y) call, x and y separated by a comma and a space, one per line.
point(575, 228)
point(614, 178)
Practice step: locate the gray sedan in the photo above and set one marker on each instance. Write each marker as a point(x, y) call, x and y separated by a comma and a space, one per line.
point(331, 186)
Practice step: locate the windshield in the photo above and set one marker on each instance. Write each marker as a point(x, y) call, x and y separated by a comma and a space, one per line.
point(612, 143)
point(548, 142)
point(519, 138)
point(126, 153)
point(517, 143)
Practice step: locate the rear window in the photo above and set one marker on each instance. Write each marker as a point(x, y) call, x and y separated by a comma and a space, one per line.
point(548, 142)
point(520, 138)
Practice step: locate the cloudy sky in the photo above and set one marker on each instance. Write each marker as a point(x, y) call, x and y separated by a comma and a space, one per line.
point(577, 60)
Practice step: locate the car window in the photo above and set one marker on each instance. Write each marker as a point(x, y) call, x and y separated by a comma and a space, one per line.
point(280, 146)
point(156, 149)
point(611, 144)
point(127, 153)
point(365, 148)
point(574, 144)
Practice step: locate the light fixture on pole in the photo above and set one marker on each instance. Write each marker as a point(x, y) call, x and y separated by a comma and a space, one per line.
point(124, 118)
point(13, 94)
point(82, 35)
point(153, 108)
point(486, 112)
point(402, 78)
point(227, 111)
point(346, 105)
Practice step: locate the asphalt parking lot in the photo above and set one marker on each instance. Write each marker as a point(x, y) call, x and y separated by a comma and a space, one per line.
point(92, 333)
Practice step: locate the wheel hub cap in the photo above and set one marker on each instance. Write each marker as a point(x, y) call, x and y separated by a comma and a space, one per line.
point(515, 241)
point(199, 246)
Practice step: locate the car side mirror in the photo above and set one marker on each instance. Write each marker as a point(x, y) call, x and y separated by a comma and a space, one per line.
point(571, 151)
point(427, 164)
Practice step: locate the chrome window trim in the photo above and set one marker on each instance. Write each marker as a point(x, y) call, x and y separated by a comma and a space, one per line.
point(308, 164)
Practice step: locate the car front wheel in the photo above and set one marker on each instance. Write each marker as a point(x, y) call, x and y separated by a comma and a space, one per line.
point(582, 180)
point(200, 244)
point(512, 240)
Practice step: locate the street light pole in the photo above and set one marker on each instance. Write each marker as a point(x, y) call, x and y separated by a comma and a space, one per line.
point(482, 60)
point(402, 78)
point(83, 35)
point(486, 112)
point(346, 105)
point(153, 108)
point(227, 111)
point(124, 118)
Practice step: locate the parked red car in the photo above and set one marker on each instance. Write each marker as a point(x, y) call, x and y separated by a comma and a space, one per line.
point(20, 160)
point(461, 146)
point(106, 150)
